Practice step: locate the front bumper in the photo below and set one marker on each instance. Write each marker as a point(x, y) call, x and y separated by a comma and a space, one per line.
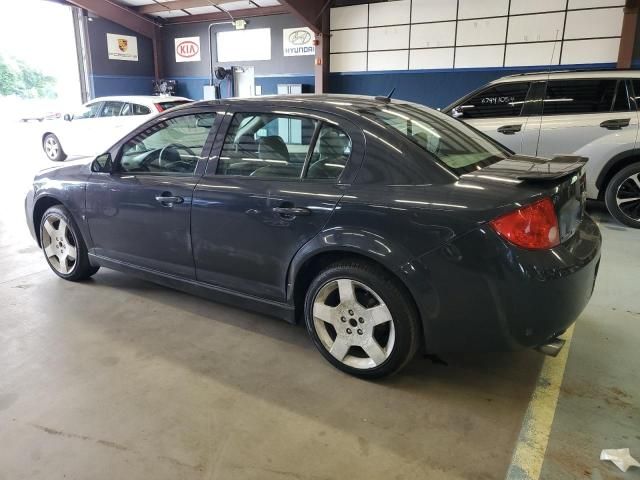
point(28, 211)
point(491, 295)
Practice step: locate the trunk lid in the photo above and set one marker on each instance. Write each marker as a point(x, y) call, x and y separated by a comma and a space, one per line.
point(562, 178)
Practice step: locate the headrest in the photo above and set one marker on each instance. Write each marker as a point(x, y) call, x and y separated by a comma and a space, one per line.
point(273, 148)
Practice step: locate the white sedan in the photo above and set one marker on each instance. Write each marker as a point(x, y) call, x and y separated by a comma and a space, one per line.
point(100, 123)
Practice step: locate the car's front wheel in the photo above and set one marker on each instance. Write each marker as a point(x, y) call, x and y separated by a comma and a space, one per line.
point(63, 246)
point(622, 196)
point(52, 148)
point(361, 319)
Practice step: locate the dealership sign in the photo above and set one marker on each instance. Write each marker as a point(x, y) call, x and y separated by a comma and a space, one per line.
point(122, 47)
point(298, 41)
point(187, 49)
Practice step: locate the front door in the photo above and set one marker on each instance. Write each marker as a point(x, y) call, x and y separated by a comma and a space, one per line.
point(496, 111)
point(140, 213)
point(277, 180)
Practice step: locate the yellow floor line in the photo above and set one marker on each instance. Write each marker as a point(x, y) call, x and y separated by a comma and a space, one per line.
point(526, 463)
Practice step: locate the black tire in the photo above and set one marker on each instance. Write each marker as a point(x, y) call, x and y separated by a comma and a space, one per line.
point(49, 141)
point(404, 316)
point(621, 186)
point(78, 269)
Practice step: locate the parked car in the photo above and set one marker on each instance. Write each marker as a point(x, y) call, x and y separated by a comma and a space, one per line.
point(99, 123)
point(588, 113)
point(387, 226)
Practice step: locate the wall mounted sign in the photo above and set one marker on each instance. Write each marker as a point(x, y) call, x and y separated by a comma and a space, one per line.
point(187, 49)
point(244, 45)
point(297, 42)
point(122, 47)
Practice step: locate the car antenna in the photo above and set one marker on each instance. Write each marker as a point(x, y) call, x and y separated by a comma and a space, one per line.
point(544, 94)
point(386, 99)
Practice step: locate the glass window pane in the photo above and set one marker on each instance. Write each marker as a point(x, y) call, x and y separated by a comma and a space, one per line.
point(172, 146)
point(330, 154)
point(504, 100)
point(578, 96)
point(111, 109)
point(266, 145)
point(88, 111)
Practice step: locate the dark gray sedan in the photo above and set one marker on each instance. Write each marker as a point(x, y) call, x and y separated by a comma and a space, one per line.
point(388, 227)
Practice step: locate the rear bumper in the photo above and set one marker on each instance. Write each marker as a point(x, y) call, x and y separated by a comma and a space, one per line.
point(490, 295)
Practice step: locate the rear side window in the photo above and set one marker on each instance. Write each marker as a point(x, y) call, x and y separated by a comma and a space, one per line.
point(635, 99)
point(330, 155)
point(266, 145)
point(503, 100)
point(134, 109)
point(565, 97)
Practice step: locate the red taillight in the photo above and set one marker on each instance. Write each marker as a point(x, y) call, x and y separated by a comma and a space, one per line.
point(534, 226)
point(159, 107)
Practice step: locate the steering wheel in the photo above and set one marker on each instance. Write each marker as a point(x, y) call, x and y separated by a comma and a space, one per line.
point(175, 146)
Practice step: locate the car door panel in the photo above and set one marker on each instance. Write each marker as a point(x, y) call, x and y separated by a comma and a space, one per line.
point(247, 229)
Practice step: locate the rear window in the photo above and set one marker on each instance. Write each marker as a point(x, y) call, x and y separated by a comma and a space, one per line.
point(170, 104)
point(460, 147)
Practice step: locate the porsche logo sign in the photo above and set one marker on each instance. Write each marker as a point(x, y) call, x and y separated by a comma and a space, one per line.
point(187, 49)
point(122, 47)
point(297, 42)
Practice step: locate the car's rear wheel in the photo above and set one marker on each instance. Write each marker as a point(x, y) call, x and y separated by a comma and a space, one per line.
point(52, 148)
point(63, 246)
point(623, 195)
point(361, 319)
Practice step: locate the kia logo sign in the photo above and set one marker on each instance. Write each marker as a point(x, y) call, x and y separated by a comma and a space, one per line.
point(299, 37)
point(187, 49)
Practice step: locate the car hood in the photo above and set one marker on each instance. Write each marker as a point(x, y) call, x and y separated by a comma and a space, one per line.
point(66, 168)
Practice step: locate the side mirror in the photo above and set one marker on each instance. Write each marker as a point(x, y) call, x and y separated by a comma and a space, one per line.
point(67, 117)
point(102, 164)
point(457, 112)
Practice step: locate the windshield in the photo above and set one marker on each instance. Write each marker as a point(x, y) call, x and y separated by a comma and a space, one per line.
point(460, 147)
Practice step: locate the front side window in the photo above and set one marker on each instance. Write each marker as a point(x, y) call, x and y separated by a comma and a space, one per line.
point(564, 97)
point(171, 146)
point(266, 145)
point(460, 147)
point(89, 110)
point(110, 109)
point(503, 100)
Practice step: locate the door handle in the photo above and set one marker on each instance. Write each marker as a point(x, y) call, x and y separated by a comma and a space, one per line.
point(291, 211)
point(168, 200)
point(615, 124)
point(509, 129)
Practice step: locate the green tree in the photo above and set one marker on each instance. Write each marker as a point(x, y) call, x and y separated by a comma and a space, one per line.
point(18, 78)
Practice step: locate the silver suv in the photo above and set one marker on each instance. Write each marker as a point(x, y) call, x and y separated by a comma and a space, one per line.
point(593, 114)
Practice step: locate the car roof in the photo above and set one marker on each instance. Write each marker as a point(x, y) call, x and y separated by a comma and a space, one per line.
point(140, 98)
point(334, 103)
point(568, 74)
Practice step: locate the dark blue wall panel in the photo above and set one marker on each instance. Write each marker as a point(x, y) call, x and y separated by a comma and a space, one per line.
point(435, 88)
point(104, 85)
point(192, 87)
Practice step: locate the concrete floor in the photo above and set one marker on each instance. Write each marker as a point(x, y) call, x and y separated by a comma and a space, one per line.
point(120, 378)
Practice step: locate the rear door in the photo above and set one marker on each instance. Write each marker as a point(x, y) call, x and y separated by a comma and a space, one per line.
point(497, 112)
point(277, 178)
point(576, 113)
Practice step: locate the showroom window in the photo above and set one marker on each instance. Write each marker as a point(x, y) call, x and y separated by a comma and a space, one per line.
point(330, 154)
point(565, 97)
point(266, 145)
point(504, 100)
point(172, 146)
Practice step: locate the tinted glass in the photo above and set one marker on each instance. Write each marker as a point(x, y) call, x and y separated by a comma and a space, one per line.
point(504, 100)
point(459, 147)
point(134, 109)
point(111, 109)
point(170, 104)
point(330, 154)
point(172, 146)
point(88, 111)
point(581, 96)
point(266, 145)
point(635, 99)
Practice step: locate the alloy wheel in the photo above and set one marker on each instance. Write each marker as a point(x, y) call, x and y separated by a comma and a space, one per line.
point(628, 196)
point(59, 244)
point(353, 323)
point(51, 147)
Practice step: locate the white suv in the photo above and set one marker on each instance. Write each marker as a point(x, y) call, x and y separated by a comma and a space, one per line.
point(593, 114)
point(99, 123)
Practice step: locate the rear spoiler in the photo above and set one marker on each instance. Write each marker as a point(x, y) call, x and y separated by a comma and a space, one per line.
point(534, 169)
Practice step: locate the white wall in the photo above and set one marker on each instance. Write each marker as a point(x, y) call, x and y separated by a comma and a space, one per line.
point(436, 34)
